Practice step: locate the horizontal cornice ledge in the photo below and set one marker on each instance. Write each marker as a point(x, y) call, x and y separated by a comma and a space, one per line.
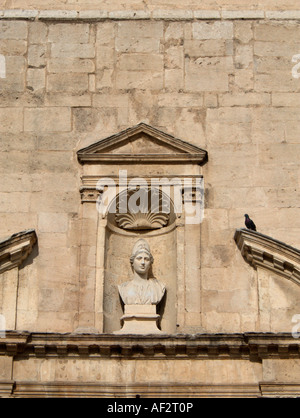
point(15, 249)
point(158, 14)
point(260, 250)
point(142, 158)
point(254, 346)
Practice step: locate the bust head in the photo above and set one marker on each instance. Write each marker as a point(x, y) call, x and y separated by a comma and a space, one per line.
point(141, 290)
point(141, 257)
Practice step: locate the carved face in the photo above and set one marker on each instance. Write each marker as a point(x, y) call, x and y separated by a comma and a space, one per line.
point(141, 262)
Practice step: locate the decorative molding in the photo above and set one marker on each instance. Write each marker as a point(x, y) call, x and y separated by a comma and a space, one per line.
point(279, 389)
point(158, 14)
point(263, 251)
point(15, 249)
point(89, 194)
point(253, 346)
point(130, 390)
point(90, 190)
point(248, 346)
point(168, 149)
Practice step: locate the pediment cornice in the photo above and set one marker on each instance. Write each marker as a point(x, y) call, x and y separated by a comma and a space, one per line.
point(260, 250)
point(151, 146)
point(15, 249)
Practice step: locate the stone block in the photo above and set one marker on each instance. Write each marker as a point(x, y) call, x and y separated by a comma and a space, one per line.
point(11, 120)
point(174, 30)
point(207, 74)
point(105, 57)
point(109, 100)
point(55, 119)
point(70, 65)
point(85, 119)
point(5, 368)
point(14, 202)
point(285, 153)
point(243, 57)
point(52, 222)
point(174, 79)
point(243, 31)
point(72, 50)
point(141, 62)
point(267, 65)
point(139, 80)
point(286, 99)
point(180, 100)
point(174, 57)
point(13, 30)
point(210, 100)
point(58, 162)
point(139, 37)
point(105, 33)
point(36, 79)
point(275, 49)
point(277, 32)
point(13, 47)
point(77, 33)
point(12, 223)
point(221, 322)
point(67, 99)
point(71, 83)
point(52, 202)
point(213, 30)
point(141, 29)
point(92, 82)
point(244, 79)
point(234, 154)
point(50, 299)
point(15, 65)
point(244, 99)
point(37, 33)
point(37, 55)
point(211, 47)
point(131, 44)
point(277, 81)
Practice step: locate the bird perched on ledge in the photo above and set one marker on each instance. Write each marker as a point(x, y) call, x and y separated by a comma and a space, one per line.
point(249, 223)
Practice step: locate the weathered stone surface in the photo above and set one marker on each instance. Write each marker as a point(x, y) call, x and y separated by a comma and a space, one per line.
point(53, 119)
point(219, 76)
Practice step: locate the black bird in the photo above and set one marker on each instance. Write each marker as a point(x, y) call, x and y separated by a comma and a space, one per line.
point(249, 223)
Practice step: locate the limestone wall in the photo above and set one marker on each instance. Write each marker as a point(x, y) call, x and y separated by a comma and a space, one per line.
point(227, 85)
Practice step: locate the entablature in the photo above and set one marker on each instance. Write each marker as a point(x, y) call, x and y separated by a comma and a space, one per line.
point(254, 346)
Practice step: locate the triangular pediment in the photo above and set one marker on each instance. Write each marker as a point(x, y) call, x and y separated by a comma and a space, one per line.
point(142, 143)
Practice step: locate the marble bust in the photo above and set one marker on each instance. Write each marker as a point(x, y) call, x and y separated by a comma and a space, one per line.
point(141, 290)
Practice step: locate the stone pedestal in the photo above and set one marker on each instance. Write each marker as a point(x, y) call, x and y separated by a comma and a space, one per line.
point(139, 319)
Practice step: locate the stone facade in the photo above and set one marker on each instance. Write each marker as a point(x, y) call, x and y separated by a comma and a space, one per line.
point(210, 92)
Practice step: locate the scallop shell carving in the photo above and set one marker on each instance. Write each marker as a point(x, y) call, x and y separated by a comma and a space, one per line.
point(141, 220)
point(153, 211)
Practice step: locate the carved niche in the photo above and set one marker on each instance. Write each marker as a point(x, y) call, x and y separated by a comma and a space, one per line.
point(160, 160)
